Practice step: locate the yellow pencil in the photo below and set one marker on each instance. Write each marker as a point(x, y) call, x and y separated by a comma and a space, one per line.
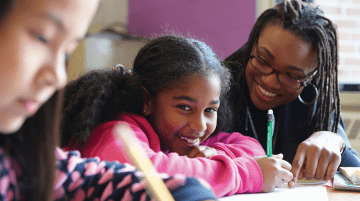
point(155, 184)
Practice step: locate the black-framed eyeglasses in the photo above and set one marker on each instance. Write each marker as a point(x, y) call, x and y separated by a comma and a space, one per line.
point(283, 78)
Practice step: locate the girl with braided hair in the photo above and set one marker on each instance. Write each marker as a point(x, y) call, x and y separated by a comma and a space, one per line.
point(290, 65)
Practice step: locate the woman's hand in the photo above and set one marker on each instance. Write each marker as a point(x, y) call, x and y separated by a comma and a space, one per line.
point(275, 171)
point(202, 151)
point(317, 157)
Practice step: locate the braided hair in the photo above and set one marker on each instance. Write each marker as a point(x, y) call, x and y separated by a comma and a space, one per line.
point(98, 96)
point(308, 24)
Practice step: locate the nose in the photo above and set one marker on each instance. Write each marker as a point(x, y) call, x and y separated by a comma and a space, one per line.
point(198, 123)
point(271, 80)
point(53, 73)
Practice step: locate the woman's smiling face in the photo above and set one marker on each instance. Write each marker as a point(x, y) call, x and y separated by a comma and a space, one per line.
point(286, 53)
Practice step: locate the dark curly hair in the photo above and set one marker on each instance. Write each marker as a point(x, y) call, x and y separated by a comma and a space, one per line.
point(309, 24)
point(95, 98)
point(98, 96)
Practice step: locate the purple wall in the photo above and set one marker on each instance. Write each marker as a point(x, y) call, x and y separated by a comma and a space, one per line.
point(223, 24)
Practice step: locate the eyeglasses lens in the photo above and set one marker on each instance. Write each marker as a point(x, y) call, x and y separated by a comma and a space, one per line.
point(284, 79)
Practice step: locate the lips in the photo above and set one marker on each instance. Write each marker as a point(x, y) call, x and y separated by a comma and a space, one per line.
point(30, 105)
point(266, 93)
point(190, 141)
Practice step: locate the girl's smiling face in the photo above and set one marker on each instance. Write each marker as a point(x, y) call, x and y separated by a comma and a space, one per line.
point(186, 115)
point(286, 53)
point(35, 37)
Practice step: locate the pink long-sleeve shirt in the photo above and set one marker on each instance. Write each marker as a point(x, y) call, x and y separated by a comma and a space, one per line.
point(232, 171)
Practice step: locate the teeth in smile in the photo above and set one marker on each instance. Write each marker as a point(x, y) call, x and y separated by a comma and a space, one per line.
point(266, 93)
point(190, 141)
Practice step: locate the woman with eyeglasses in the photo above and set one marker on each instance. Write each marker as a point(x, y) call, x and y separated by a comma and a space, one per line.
point(290, 65)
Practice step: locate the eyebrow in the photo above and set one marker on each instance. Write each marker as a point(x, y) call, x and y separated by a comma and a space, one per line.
point(190, 99)
point(290, 66)
point(56, 20)
point(59, 23)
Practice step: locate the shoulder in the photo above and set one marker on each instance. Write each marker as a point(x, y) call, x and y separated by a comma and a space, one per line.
point(130, 118)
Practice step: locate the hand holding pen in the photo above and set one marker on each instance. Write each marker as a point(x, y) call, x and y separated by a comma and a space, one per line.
point(275, 171)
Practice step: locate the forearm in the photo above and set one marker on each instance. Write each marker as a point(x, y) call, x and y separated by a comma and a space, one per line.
point(235, 145)
point(226, 176)
point(349, 157)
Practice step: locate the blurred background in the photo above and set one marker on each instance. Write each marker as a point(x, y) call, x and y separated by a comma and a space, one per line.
point(121, 28)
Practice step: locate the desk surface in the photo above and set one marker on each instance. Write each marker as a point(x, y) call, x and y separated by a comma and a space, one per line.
point(336, 195)
point(313, 192)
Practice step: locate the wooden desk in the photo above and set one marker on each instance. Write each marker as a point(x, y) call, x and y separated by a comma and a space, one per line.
point(336, 195)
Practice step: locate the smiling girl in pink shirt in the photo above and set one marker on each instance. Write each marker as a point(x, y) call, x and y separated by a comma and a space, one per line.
point(175, 102)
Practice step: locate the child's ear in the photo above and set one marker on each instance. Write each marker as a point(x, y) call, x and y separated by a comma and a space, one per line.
point(147, 102)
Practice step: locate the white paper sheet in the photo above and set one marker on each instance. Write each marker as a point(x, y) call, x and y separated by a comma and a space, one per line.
point(302, 192)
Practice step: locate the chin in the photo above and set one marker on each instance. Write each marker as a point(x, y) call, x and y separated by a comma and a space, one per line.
point(259, 104)
point(12, 126)
point(263, 107)
point(181, 152)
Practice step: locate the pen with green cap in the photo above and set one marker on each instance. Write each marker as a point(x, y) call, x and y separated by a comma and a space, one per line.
point(270, 132)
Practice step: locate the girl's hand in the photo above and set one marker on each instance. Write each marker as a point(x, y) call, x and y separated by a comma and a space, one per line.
point(202, 151)
point(317, 157)
point(275, 171)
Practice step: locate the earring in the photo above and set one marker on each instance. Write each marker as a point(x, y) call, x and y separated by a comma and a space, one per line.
point(313, 101)
point(144, 111)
